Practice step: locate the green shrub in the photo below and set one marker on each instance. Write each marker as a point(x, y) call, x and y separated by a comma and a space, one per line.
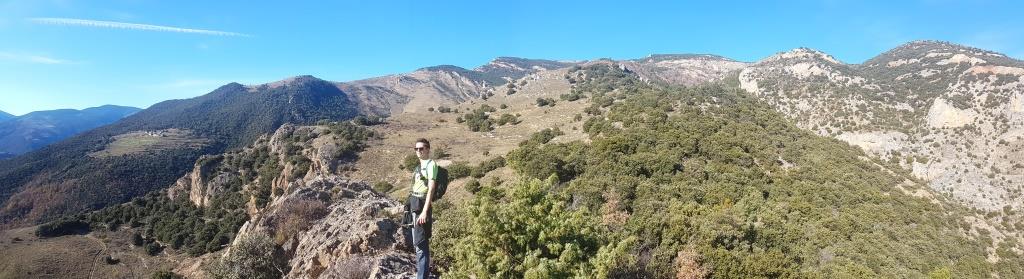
point(459, 170)
point(383, 186)
point(165, 274)
point(477, 173)
point(440, 152)
point(136, 239)
point(410, 162)
point(491, 164)
point(507, 119)
point(542, 137)
point(153, 248)
point(473, 186)
point(529, 234)
point(252, 257)
point(64, 226)
point(478, 120)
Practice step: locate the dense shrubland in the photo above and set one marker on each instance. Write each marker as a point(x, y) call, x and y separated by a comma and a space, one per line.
point(703, 181)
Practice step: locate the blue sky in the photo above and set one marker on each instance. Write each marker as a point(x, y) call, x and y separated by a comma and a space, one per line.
point(50, 59)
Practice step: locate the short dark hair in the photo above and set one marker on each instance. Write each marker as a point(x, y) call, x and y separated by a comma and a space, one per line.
point(426, 143)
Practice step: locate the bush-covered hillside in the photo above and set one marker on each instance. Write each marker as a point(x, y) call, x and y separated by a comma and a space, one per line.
point(705, 182)
point(244, 182)
point(66, 177)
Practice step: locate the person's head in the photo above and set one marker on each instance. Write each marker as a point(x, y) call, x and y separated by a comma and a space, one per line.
point(422, 149)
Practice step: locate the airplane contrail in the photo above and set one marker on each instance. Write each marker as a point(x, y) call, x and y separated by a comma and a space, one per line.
point(132, 26)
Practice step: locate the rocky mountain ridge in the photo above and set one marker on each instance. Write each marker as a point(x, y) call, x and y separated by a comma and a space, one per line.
point(952, 114)
point(20, 134)
point(683, 69)
point(4, 115)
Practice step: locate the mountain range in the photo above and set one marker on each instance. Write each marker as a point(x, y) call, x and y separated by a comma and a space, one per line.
point(5, 116)
point(940, 109)
point(34, 130)
point(796, 165)
point(151, 148)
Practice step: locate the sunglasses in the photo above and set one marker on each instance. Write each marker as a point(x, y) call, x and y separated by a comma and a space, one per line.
point(420, 148)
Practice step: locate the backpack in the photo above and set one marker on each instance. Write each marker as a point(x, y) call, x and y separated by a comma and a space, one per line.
point(440, 182)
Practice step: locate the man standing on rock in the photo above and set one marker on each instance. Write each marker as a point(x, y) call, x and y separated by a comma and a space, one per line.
point(419, 206)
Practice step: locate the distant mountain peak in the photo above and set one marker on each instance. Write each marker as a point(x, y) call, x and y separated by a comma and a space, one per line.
point(298, 79)
point(36, 129)
point(687, 56)
point(499, 70)
point(5, 115)
point(509, 59)
point(802, 54)
point(70, 113)
point(291, 81)
point(520, 64)
point(444, 68)
point(503, 62)
point(936, 44)
point(939, 53)
point(456, 71)
point(932, 46)
point(113, 107)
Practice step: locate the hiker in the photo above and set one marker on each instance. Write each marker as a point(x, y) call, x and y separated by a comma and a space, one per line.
point(423, 191)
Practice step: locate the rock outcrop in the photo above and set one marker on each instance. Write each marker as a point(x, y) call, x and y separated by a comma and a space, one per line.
point(202, 182)
point(356, 233)
point(324, 224)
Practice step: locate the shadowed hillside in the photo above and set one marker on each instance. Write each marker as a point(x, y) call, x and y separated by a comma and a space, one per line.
point(70, 176)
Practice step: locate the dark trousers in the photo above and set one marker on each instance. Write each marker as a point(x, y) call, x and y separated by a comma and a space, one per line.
point(421, 242)
point(420, 237)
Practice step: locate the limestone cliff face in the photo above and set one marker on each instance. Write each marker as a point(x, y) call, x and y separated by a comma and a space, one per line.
point(950, 113)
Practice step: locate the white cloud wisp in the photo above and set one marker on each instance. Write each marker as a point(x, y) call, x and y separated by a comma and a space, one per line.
point(130, 26)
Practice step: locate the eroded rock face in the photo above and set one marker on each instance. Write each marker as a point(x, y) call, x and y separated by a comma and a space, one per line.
point(202, 182)
point(209, 178)
point(355, 234)
point(1016, 104)
point(944, 115)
